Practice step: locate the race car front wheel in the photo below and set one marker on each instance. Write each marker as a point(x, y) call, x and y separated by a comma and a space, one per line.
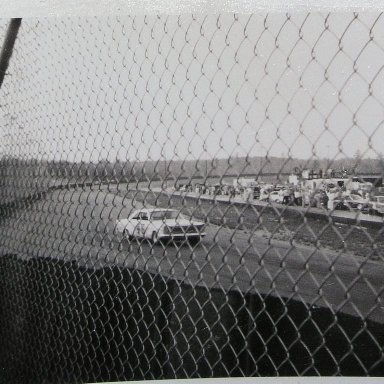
point(155, 237)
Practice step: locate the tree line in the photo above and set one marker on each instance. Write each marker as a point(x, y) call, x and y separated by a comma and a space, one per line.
point(32, 170)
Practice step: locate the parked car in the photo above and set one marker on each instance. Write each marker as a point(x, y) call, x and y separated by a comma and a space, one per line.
point(275, 197)
point(340, 204)
point(264, 196)
point(185, 188)
point(319, 199)
point(256, 193)
point(360, 203)
point(376, 205)
point(158, 224)
point(351, 202)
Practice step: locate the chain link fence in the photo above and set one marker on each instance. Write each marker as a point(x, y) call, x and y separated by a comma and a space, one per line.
point(192, 196)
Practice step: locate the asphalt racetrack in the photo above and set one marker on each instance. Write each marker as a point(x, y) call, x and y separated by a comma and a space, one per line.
point(79, 225)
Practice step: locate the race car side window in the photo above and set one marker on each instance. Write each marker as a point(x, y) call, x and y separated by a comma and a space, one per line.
point(143, 216)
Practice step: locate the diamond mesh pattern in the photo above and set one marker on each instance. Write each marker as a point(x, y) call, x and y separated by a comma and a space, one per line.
point(102, 118)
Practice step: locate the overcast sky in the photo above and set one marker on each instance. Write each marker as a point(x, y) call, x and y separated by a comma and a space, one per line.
point(196, 87)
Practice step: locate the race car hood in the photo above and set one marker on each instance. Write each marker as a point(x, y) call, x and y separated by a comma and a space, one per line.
point(181, 222)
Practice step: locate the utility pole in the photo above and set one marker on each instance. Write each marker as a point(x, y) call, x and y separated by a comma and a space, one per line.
point(7, 49)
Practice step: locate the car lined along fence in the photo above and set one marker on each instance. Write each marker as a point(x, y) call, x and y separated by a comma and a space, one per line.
point(191, 196)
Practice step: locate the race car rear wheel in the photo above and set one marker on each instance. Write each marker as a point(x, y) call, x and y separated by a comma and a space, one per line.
point(127, 234)
point(155, 237)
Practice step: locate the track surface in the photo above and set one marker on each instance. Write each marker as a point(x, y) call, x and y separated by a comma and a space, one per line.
point(80, 226)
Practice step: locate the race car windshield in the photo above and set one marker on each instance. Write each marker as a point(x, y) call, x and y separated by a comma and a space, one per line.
point(164, 215)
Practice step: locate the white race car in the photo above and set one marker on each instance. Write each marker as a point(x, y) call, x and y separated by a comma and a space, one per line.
point(159, 224)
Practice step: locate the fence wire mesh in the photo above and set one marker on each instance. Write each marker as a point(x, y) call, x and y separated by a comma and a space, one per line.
point(192, 196)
